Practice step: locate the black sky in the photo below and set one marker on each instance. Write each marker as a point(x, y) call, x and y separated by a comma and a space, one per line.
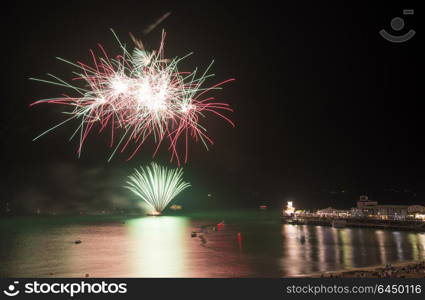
point(322, 102)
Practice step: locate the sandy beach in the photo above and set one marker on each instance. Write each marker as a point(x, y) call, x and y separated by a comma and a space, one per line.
point(409, 269)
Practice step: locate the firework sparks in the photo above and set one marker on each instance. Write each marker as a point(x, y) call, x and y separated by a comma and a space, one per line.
point(139, 94)
point(157, 185)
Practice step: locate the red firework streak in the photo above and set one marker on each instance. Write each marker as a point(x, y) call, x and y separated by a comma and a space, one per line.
point(140, 96)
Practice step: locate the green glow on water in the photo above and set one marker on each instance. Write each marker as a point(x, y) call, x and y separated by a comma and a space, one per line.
point(159, 247)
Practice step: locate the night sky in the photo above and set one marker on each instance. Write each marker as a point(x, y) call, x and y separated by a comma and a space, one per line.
point(326, 109)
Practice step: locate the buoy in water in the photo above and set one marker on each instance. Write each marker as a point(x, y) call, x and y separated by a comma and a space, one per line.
point(203, 239)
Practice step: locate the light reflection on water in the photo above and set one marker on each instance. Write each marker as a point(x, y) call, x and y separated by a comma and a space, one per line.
point(163, 247)
point(159, 248)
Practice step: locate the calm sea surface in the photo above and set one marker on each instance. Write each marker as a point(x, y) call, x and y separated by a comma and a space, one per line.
point(250, 244)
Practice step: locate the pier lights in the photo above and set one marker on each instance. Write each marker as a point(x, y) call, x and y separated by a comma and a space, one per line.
point(290, 209)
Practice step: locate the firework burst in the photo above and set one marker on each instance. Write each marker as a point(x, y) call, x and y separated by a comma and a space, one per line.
point(139, 95)
point(157, 185)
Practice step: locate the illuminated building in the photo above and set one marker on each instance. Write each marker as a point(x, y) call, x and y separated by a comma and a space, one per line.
point(290, 209)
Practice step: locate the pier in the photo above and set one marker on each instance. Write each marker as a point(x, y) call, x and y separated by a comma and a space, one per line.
point(357, 222)
point(367, 213)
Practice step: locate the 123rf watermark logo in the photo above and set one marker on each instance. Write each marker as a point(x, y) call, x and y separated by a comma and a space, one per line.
point(70, 289)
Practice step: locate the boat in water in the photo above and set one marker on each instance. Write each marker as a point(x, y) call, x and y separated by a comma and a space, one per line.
point(154, 214)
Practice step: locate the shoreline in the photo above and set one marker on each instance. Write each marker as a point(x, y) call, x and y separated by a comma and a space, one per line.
point(406, 269)
point(405, 225)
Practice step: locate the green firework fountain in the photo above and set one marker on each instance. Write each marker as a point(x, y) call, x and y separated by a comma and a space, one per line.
point(157, 185)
